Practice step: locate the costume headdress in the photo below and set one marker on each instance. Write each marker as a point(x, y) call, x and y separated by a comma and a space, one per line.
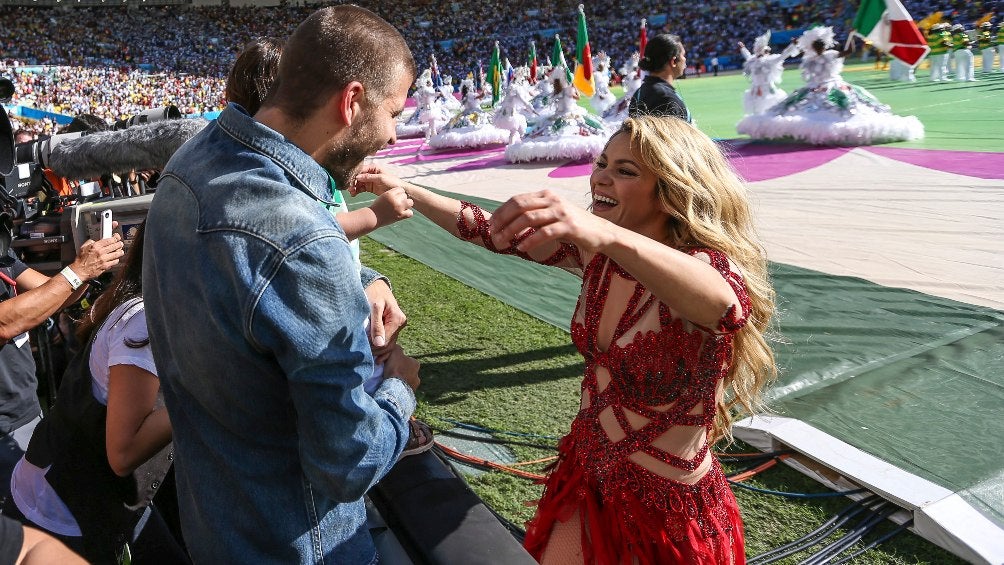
point(812, 35)
point(761, 43)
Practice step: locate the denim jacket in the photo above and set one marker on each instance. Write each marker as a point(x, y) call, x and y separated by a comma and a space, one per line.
point(256, 316)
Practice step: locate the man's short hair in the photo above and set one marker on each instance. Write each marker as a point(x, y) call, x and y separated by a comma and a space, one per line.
point(333, 47)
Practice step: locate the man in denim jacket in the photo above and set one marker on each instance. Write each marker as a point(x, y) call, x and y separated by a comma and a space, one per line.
point(256, 311)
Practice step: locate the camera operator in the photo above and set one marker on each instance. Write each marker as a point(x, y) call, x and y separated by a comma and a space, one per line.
point(27, 299)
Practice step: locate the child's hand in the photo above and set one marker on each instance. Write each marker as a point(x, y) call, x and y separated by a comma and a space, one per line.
point(391, 206)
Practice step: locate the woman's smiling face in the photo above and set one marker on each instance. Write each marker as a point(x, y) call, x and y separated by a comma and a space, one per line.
point(624, 190)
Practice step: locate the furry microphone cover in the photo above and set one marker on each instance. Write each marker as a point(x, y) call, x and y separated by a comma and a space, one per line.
point(148, 146)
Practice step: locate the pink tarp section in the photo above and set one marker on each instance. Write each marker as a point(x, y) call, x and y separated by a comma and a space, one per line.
point(968, 163)
point(754, 161)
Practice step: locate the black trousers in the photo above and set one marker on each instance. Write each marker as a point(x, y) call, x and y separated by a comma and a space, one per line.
point(152, 540)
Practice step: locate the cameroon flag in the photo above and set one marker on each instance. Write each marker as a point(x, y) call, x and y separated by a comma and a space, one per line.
point(584, 65)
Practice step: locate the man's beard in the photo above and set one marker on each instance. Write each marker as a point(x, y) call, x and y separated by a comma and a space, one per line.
point(343, 160)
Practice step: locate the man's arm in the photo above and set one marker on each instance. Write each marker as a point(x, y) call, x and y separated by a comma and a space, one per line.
point(348, 439)
point(40, 296)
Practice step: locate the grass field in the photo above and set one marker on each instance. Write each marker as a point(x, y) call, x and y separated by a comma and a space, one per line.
point(488, 364)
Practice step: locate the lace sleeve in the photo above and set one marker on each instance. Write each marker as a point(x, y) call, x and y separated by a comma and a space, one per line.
point(565, 253)
point(730, 322)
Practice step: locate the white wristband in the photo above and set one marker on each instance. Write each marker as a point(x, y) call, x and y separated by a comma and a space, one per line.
point(71, 278)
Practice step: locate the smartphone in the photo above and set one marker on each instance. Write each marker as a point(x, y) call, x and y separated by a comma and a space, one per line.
point(106, 224)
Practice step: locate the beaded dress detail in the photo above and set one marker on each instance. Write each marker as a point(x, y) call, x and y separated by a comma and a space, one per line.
point(628, 513)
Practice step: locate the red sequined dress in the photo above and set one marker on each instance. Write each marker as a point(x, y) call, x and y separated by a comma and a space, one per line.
point(670, 376)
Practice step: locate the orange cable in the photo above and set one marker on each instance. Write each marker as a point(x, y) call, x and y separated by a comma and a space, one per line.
point(479, 461)
point(542, 460)
point(759, 468)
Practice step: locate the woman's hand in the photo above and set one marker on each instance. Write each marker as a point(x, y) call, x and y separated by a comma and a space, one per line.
point(554, 218)
point(372, 178)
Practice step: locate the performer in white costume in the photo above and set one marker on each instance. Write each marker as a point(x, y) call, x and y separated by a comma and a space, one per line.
point(433, 109)
point(413, 125)
point(764, 70)
point(472, 126)
point(987, 44)
point(603, 99)
point(570, 133)
point(939, 39)
point(631, 79)
point(449, 100)
point(515, 107)
point(828, 110)
point(965, 63)
point(543, 96)
point(900, 71)
point(1000, 46)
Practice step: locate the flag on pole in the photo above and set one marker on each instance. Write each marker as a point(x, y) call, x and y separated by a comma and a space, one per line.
point(479, 80)
point(889, 27)
point(495, 74)
point(532, 62)
point(510, 72)
point(584, 65)
point(437, 79)
point(558, 58)
point(643, 38)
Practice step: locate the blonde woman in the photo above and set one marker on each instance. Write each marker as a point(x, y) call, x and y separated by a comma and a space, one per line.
point(671, 319)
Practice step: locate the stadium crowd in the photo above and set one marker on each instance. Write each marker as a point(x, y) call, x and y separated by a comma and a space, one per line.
point(115, 61)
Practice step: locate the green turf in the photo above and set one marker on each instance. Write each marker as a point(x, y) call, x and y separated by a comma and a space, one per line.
point(956, 116)
point(486, 363)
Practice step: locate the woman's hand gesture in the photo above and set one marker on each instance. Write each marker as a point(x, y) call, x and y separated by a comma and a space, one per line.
point(553, 218)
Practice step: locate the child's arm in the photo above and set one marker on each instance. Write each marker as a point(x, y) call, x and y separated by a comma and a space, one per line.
point(388, 208)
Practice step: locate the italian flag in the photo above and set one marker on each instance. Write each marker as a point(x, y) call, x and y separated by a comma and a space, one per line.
point(642, 38)
point(889, 27)
point(584, 64)
point(532, 62)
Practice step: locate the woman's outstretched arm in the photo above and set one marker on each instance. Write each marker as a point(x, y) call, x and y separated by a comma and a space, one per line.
point(689, 285)
point(440, 209)
point(466, 221)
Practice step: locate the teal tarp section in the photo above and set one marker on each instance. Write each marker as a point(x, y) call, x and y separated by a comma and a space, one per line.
point(543, 292)
point(913, 379)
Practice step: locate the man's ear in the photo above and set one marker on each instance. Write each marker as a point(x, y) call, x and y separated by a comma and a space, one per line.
point(351, 101)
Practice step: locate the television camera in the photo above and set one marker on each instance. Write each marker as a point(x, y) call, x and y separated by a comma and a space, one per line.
point(45, 216)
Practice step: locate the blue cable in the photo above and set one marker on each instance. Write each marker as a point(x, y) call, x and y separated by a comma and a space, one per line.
point(798, 494)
